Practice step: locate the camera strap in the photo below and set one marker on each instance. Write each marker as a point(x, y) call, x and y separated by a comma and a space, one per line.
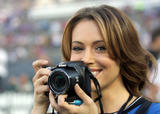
point(98, 89)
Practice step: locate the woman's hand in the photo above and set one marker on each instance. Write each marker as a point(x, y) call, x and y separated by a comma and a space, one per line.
point(88, 106)
point(40, 79)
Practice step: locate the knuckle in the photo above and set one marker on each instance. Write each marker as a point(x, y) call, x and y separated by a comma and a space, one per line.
point(45, 77)
point(45, 80)
point(34, 63)
point(80, 92)
point(39, 71)
point(33, 79)
point(35, 84)
point(42, 71)
point(90, 102)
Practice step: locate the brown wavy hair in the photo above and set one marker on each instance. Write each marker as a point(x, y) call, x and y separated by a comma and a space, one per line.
point(121, 40)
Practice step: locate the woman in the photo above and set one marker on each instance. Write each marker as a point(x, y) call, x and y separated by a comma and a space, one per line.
point(105, 39)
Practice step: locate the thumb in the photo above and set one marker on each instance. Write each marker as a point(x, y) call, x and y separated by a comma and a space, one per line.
point(82, 94)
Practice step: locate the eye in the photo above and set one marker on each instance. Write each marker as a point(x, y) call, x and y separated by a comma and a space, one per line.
point(76, 48)
point(101, 48)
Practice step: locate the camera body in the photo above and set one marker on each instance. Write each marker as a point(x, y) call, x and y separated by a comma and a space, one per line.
point(65, 75)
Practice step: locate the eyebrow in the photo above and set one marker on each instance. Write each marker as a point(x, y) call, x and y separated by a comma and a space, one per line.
point(95, 42)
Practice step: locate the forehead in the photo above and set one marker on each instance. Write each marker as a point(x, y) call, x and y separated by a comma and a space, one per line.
point(86, 30)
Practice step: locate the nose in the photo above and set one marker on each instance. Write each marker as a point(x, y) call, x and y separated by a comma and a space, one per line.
point(88, 57)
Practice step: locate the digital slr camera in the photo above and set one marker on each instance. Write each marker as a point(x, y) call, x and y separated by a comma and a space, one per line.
point(65, 75)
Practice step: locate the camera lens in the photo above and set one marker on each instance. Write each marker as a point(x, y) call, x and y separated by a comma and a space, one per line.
point(59, 82)
point(65, 75)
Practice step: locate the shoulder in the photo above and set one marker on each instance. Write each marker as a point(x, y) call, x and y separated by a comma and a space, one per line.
point(154, 108)
point(144, 106)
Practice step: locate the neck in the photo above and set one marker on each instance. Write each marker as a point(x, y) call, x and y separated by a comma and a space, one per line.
point(113, 96)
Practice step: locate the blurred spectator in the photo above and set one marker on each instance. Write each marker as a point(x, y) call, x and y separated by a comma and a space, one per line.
point(21, 52)
point(13, 83)
point(24, 83)
point(3, 66)
point(153, 91)
point(56, 31)
point(155, 44)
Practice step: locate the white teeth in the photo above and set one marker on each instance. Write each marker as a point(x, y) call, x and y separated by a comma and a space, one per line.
point(94, 73)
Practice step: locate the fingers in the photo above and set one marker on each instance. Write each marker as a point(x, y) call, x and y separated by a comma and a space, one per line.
point(83, 95)
point(41, 81)
point(41, 86)
point(42, 89)
point(39, 64)
point(61, 101)
point(53, 102)
point(61, 105)
point(40, 73)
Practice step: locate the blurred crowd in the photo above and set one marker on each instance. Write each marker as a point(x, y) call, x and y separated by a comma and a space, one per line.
point(23, 40)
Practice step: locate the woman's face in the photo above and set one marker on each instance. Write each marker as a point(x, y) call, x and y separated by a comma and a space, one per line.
point(88, 46)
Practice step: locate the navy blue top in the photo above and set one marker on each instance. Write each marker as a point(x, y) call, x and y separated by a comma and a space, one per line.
point(153, 109)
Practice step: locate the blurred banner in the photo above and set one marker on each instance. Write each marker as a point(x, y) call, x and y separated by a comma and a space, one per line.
point(51, 9)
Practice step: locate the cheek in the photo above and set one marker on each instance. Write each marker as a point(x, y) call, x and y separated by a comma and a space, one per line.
point(103, 61)
point(75, 57)
point(108, 63)
point(115, 69)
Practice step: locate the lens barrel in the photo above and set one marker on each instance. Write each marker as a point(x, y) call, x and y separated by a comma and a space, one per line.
point(59, 81)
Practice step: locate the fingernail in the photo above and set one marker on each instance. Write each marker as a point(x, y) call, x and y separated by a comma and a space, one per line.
point(77, 85)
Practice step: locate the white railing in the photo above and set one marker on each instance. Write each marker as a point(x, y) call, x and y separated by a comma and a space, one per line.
point(16, 103)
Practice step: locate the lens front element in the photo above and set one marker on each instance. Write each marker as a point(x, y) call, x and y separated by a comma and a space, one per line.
point(59, 82)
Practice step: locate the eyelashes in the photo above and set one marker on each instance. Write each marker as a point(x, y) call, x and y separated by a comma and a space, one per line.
point(98, 48)
point(101, 48)
point(76, 48)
